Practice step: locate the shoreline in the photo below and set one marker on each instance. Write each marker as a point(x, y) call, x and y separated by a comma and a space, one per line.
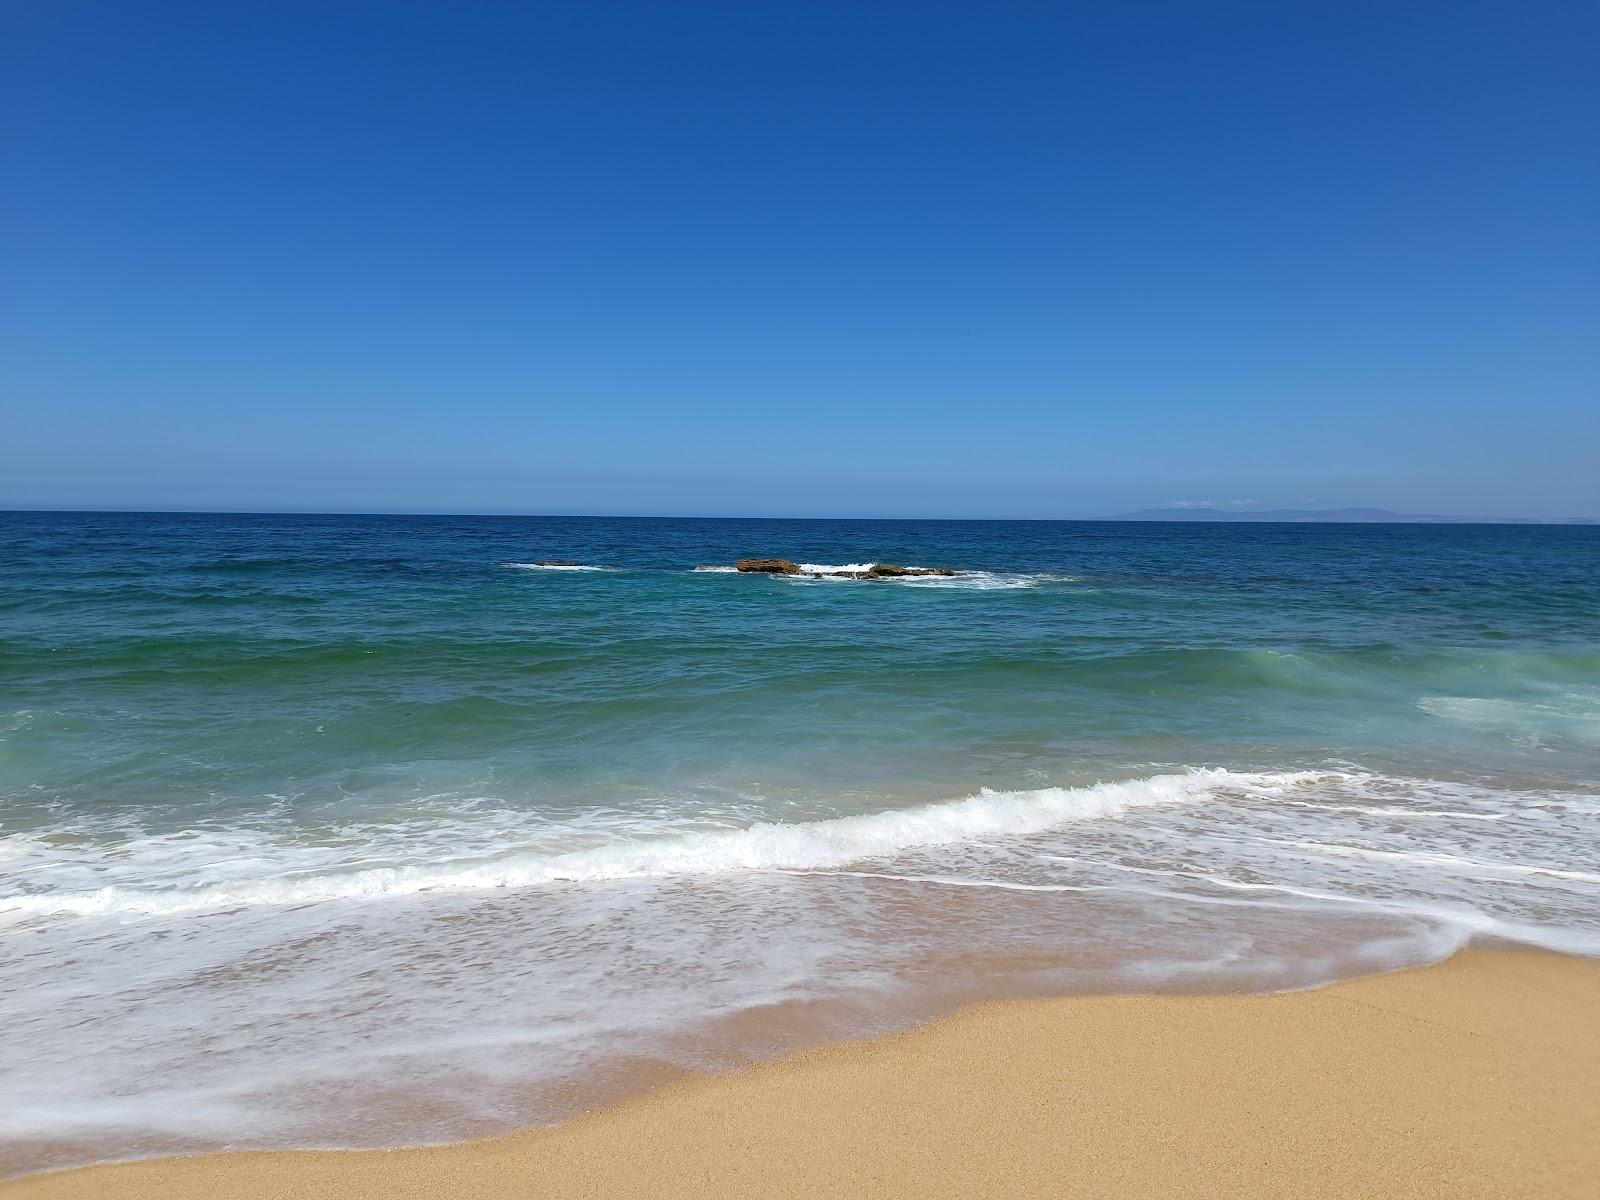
point(1477, 1076)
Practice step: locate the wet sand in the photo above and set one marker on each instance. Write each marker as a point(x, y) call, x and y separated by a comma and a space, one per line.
point(1479, 1077)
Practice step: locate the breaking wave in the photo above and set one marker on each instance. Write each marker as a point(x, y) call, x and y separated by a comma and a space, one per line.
point(557, 567)
point(303, 875)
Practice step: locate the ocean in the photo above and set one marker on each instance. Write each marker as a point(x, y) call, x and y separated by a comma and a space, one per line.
point(353, 831)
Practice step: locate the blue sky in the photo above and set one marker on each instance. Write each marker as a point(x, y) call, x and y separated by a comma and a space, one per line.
point(800, 259)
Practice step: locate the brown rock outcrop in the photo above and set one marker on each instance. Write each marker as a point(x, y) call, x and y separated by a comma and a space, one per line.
point(891, 571)
point(782, 566)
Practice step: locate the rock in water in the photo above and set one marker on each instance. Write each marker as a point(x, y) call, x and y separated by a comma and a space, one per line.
point(555, 562)
point(782, 566)
point(891, 571)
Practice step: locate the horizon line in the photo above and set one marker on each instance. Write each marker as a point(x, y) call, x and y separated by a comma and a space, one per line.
point(1120, 518)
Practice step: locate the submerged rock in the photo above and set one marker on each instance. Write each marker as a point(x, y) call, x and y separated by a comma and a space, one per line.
point(768, 566)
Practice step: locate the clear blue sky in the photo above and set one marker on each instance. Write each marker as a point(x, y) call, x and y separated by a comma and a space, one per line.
point(862, 258)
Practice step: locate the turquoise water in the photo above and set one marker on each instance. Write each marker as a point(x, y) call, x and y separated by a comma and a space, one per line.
point(343, 830)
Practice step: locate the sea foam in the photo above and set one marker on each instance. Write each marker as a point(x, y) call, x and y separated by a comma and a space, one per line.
point(287, 981)
point(522, 566)
point(302, 875)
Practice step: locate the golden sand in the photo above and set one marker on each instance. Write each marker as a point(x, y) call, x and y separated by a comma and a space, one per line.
point(1476, 1078)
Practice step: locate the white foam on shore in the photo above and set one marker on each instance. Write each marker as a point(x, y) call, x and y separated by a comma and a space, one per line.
point(285, 982)
point(196, 871)
point(303, 875)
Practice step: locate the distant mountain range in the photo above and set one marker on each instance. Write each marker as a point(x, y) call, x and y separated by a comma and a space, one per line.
point(1365, 516)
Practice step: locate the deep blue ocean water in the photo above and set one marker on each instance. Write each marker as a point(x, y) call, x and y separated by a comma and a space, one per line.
point(295, 810)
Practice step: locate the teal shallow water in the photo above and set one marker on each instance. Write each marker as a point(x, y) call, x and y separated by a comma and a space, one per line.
point(318, 804)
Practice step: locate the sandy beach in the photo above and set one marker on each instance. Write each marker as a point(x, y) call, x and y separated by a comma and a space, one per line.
point(1479, 1077)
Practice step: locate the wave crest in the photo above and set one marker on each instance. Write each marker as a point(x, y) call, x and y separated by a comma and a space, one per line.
point(801, 846)
point(535, 566)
